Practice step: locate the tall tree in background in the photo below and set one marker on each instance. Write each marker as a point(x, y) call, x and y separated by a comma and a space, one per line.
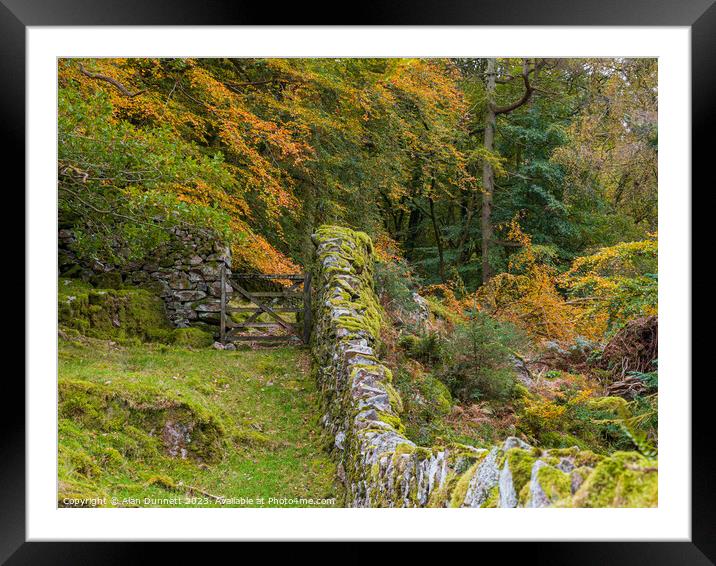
point(491, 112)
point(612, 156)
point(438, 155)
point(278, 146)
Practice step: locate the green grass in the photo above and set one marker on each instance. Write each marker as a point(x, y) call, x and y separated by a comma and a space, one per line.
point(256, 409)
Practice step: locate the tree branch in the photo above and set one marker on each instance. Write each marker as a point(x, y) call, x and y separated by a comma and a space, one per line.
point(114, 82)
point(105, 212)
point(506, 243)
point(529, 89)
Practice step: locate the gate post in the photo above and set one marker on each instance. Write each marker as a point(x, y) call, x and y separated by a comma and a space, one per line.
point(307, 307)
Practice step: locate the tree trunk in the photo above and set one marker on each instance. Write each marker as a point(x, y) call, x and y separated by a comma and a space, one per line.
point(438, 237)
point(488, 174)
point(415, 218)
point(468, 203)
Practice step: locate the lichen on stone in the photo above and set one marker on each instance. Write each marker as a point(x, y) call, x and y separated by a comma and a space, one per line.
point(381, 467)
point(625, 479)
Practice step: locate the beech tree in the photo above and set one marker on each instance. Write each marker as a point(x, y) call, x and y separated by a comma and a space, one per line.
point(492, 78)
point(437, 155)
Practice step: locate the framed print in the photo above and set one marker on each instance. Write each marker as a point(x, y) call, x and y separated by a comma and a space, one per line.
point(413, 277)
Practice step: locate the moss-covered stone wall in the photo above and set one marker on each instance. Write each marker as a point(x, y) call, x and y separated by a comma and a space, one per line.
point(380, 467)
point(185, 273)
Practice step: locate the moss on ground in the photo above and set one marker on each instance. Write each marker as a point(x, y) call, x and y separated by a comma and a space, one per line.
point(117, 314)
point(126, 315)
point(191, 337)
point(253, 419)
point(556, 439)
point(617, 406)
point(110, 407)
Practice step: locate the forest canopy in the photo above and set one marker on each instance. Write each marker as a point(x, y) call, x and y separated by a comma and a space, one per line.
point(435, 157)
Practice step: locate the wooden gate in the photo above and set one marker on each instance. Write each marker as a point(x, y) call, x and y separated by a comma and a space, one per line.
point(295, 298)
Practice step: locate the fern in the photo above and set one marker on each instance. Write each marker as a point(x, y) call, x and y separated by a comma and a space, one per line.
point(650, 379)
point(641, 442)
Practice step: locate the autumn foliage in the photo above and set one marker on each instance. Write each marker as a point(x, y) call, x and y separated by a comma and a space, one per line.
point(546, 228)
point(296, 142)
point(527, 295)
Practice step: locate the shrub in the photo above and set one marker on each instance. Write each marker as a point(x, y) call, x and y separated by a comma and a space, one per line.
point(395, 284)
point(479, 361)
point(426, 401)
point(428, 348)
point(642, 426)
point(575, 418)
point(527, 295)
point(620, 281)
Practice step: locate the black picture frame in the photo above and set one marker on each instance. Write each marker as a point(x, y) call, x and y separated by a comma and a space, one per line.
point(16, 15)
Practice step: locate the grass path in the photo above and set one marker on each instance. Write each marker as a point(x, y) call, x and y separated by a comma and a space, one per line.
point(265, 401)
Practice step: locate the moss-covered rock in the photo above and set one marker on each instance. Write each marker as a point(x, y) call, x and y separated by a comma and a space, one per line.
point(548, 486)
point(185, 270)
point(183, 428)
point(107, 280)
point(556, 439)
point(515, 474)
point(625, 479)
point(115, 314)
point(191, 337)
point(439, 310)
point(123, 315)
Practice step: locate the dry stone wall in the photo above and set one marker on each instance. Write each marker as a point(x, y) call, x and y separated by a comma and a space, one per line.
point(380, 467)
point(185, 272)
